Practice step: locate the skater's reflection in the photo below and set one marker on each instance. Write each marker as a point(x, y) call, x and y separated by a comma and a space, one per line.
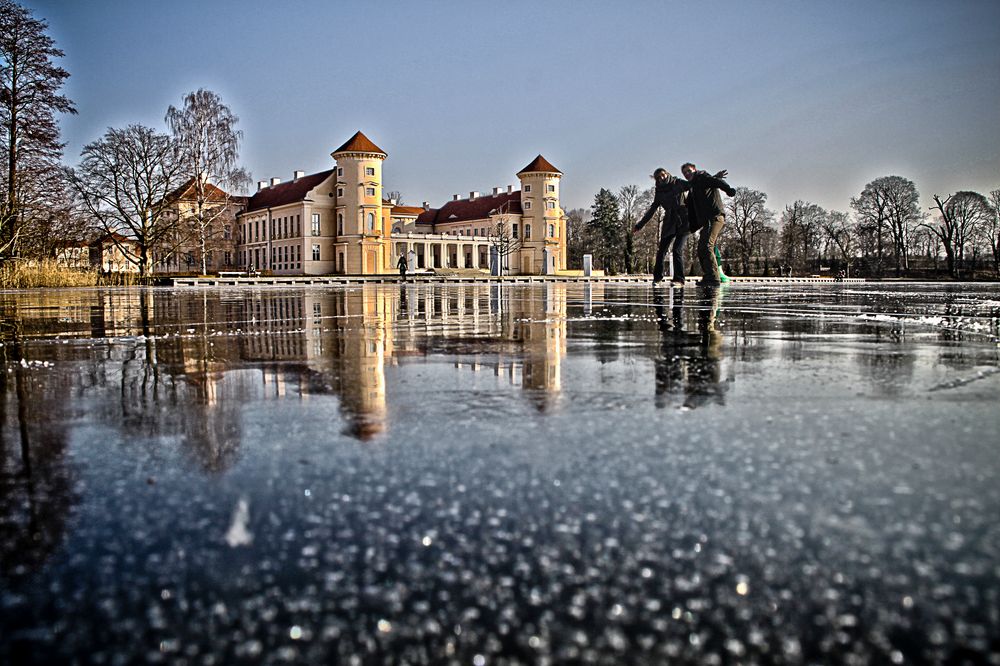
point(688, 367)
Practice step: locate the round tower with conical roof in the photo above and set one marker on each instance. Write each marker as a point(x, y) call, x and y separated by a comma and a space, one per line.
point(544, 226)
point(362, 242)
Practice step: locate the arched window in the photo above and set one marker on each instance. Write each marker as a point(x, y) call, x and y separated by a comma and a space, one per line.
point(371, 221)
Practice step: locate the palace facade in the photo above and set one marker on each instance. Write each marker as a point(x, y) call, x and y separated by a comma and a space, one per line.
point(337, 222)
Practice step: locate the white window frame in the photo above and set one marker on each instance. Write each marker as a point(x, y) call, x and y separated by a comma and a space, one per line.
point(369, 191)
point(527, 205)
point(369, 171)
point(527, 189)
point(315, 252)
point(315, 224)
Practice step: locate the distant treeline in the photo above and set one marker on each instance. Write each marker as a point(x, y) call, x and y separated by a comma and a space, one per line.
point(884, 234)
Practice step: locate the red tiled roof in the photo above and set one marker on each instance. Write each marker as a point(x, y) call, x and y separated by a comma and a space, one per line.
point(286, 193)
point(407, 210)
point(359, 143)
point(539, 164)
point(186, 191)
point(471, 209)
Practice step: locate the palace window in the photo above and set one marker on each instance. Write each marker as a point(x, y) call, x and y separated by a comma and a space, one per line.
point(552, 231)
point(527, 232)
point(315, 251)
point(527, 189)
point(550, 205)
point(370, 191)
point(513, 230)
point(315, 224)
point(340, 192)
point(371, 221)
point(369, 171)
point(550, 188)
point(340, 171)
point(527, 205)
point(340, 224)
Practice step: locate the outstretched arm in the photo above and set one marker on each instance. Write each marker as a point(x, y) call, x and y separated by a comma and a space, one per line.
point(645, 218)
point(715, 181)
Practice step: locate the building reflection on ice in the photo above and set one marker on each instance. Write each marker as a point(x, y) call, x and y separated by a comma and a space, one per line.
point(341, 343)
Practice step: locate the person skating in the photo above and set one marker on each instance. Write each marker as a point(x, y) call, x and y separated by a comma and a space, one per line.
point(707, 214)
point(674, 227)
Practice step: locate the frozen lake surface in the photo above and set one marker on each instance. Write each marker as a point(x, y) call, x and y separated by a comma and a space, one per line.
point(497, 475)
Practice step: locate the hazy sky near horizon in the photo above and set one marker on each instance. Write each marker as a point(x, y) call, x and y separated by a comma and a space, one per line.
point(803, 100)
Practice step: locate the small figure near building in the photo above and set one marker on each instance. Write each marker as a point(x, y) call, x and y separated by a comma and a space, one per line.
point(401, 265)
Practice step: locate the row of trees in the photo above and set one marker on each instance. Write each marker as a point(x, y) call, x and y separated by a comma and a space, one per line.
point(127, 183)
point(885, 233)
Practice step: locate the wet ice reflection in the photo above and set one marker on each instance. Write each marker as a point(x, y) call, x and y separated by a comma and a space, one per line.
point(516, 474)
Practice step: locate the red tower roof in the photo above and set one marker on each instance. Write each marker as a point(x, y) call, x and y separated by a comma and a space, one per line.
point(539, 164)
point(359, 143)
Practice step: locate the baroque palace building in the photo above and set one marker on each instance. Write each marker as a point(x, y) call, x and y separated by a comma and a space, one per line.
point(337, 222)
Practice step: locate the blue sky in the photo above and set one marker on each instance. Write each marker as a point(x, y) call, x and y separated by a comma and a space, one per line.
point(803, 100)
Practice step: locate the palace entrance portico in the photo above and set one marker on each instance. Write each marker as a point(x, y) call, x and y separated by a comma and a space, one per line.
point(443, 250)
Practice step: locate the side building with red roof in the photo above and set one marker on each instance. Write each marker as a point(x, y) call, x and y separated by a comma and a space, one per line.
point(182, 250)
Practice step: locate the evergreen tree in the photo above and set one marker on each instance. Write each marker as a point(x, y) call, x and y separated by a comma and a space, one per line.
point(29, 101)
point(605, 225)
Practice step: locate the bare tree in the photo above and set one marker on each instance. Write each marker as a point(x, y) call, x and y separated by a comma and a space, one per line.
point(504, 237)
point(890, 207)
point(395, 196)
point(577, 235)
point(991, 230)
point(871, 208)
point(840, 235)
point(747, 219)
point(801, 233)
point(646, 242)
point(205, 130)
point(123, 181)
point(29, 102)
point(57, 224)
point(960, 217)
point(629, 206)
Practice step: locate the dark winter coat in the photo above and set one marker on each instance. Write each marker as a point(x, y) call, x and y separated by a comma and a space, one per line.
point(704, 201)
point(669, 195)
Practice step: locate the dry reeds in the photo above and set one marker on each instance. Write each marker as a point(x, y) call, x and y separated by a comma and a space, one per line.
point(44, 273)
